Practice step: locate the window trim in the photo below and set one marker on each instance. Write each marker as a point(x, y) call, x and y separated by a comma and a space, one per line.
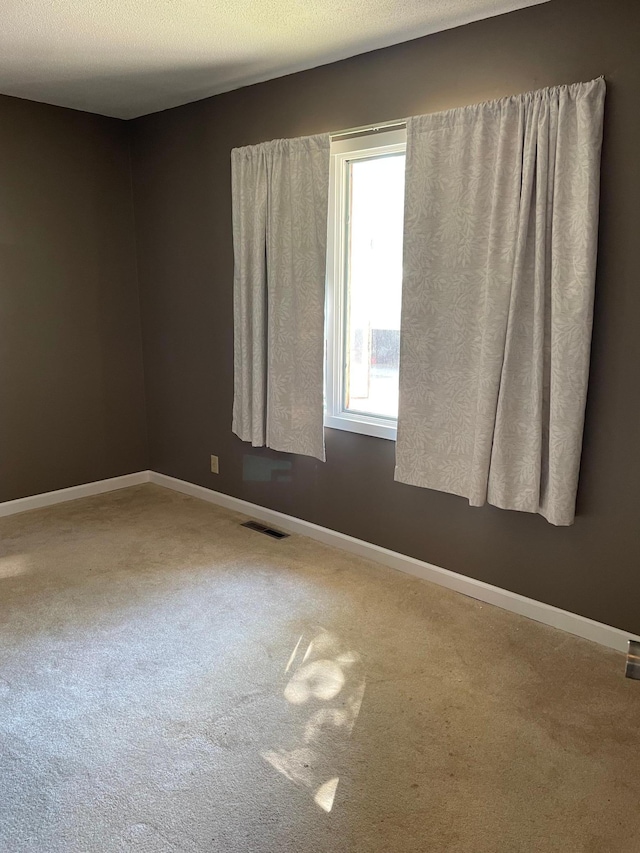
point(342, 151)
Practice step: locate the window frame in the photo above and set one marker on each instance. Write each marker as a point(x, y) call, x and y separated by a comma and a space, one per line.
point(362, 147)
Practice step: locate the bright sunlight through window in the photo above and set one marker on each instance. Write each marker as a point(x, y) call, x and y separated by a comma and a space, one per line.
point(365, 283)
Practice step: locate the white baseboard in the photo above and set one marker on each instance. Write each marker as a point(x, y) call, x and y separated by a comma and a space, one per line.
point(580, 626)
point(73, 493)
point(572, 623)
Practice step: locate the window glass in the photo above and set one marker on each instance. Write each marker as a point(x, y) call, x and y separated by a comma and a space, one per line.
point(373, 278)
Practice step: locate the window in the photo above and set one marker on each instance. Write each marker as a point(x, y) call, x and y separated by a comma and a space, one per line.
point(364, 282)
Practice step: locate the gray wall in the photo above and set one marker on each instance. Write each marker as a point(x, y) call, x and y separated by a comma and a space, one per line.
point(71, 382)
point(183, 211)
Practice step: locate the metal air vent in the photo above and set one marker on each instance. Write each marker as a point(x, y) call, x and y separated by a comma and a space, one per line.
point(633, 660)
point(262, 528)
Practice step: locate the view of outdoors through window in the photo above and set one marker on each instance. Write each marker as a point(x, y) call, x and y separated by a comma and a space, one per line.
point(374, 284)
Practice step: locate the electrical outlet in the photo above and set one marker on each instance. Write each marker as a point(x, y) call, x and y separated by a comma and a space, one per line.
point(214, 465)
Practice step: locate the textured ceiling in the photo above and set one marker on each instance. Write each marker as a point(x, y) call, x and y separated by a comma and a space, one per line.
point(126, 58)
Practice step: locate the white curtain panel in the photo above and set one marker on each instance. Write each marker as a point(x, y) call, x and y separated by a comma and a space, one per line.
point(280, 198)
point(500, 238)
point(249, 202)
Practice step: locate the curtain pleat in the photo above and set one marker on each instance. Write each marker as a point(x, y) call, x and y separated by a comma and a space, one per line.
point(501, 216)
point(249, 194)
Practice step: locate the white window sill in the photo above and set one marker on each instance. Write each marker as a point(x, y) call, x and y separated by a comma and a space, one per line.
point(365, 426)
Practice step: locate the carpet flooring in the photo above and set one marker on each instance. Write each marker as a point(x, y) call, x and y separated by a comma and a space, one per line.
point(171, 681)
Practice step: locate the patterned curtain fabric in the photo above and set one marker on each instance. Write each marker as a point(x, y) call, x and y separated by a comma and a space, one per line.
point(500, 237)
point(280, 197)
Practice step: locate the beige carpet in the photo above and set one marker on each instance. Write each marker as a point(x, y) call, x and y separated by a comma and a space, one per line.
point(170, 681)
